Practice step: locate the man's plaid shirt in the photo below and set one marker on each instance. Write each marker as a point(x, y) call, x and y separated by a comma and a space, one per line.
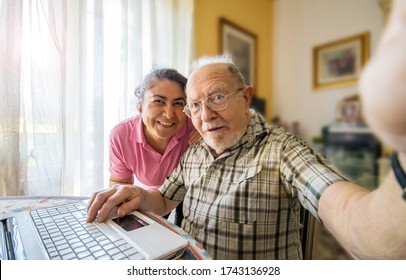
point(245, 204)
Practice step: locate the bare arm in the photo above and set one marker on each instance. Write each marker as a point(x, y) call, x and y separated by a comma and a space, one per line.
point(373, 224)
point(370, 225)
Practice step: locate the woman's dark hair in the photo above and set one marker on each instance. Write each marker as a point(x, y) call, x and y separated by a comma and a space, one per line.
point(156, 75)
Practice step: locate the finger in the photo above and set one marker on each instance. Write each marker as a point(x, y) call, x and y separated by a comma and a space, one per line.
point(91, 200)
point(128, 206)
point(194, 137)
point(118, 198)
point(96, 203)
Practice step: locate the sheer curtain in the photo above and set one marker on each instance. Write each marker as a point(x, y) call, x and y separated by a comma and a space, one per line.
point(67, 74)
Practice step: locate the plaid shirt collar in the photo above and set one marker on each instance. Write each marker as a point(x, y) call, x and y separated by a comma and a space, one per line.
point(256, 126)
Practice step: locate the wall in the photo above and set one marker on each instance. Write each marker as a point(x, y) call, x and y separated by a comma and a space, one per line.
point(298, 26)
point(252, 15)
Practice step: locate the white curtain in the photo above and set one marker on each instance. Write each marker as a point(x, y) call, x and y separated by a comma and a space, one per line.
point(67, 74)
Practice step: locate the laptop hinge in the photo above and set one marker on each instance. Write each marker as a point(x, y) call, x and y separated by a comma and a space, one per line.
point(11, 242)
point(6, 252)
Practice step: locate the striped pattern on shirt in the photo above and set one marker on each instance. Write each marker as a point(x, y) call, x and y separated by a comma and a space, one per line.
point(245, 204)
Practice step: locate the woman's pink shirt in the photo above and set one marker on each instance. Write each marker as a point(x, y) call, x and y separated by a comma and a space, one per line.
point(131, 155)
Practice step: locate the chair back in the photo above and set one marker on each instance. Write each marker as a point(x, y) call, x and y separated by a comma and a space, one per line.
point(307, 233)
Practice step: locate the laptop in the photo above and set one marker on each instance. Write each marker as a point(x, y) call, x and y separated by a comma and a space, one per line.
point(61, 232)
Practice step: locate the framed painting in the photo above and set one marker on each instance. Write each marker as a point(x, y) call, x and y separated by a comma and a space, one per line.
point(241, 45)
point(339, 63)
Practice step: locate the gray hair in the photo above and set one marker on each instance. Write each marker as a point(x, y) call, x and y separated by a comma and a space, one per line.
point(223, 59)
point(157, 75)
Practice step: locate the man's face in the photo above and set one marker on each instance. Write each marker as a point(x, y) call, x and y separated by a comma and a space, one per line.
point(219, 129)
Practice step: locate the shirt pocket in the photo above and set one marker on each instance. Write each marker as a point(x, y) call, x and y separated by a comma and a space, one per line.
point(239, 204)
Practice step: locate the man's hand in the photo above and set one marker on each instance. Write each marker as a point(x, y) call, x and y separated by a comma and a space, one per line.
point(194, 137)
point(125, 197)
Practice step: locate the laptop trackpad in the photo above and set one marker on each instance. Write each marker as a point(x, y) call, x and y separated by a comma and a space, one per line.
point(130, 222)
point(152, 239)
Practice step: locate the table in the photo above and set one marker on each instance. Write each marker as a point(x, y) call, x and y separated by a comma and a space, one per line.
point(27, 203)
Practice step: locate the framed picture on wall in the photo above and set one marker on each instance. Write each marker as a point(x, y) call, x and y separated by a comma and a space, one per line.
point(241, 44)
point(339, 63)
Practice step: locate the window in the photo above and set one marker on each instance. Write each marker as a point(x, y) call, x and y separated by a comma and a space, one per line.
point(69, 72)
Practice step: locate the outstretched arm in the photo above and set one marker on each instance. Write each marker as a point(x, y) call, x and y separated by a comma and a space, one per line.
point(370, 225)
point(373, 224)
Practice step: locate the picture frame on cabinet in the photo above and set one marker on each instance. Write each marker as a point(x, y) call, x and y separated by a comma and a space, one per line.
point(241, 45)
point(349, 110)
point(339, 63)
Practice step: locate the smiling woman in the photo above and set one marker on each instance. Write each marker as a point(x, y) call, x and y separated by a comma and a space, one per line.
point(145, 149)
point(71, 83)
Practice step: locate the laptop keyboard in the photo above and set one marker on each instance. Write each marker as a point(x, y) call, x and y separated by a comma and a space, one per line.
point(67, 236)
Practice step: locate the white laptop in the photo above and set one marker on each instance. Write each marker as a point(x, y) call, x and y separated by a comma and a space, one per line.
point(61, 232)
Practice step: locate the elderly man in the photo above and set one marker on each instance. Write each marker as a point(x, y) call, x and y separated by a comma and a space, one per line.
point(242, 187)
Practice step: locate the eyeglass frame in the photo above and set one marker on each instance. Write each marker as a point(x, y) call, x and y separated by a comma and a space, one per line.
point(186, 107)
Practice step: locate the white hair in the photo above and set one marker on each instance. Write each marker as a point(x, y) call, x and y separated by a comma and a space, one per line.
point(206, 60)
point(224, 59)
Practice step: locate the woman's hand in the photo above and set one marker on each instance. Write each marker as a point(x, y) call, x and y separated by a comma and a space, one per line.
point(194, 137)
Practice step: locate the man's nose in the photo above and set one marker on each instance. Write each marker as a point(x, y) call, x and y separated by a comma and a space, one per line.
point(207, 114)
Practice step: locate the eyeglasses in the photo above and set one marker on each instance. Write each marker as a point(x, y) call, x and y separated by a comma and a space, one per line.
point(216, 102)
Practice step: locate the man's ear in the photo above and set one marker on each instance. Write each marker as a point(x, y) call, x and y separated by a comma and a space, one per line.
point(248, 94)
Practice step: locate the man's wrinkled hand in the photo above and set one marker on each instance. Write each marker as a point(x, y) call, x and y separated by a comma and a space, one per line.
point(125, 198)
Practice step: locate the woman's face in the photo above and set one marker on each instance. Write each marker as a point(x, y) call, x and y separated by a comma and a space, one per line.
point(162, 111)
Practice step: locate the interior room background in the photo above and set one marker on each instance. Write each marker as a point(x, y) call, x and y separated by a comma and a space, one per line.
point(69, 68)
